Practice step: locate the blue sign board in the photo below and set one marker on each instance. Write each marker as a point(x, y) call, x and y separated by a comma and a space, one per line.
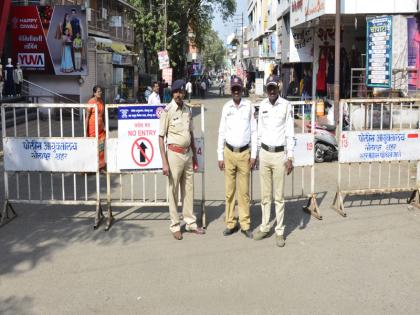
point(379, 51)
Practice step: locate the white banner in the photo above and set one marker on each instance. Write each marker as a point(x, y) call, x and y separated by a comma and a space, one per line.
point(304, 149)
point(371, 146)
point(138, 137)
point(50, 154)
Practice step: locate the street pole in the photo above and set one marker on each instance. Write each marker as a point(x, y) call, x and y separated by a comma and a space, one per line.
point(242, 48)
point(165, 26)
point(337, 61)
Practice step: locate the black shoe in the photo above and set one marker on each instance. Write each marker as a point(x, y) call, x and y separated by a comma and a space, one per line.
point(228, 231)
point(247, 233)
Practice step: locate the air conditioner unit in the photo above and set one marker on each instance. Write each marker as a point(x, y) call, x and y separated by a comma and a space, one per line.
point(104, 14)
point(88, 14)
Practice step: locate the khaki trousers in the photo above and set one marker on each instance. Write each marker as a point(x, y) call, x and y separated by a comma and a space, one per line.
point(272, 171)
point(237, 174)
point(181, 174)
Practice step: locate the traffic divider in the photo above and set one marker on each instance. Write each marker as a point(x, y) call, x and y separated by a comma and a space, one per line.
point(47, 160)
point(379, 149)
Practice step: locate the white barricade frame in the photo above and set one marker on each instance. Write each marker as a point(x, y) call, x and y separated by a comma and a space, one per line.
point(49, 150)
point(113, 170)
point(381, 132)
point(303, 157)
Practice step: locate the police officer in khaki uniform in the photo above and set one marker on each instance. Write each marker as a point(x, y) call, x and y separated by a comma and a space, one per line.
point(237, 151)
point(276, 143)
point(178, 159)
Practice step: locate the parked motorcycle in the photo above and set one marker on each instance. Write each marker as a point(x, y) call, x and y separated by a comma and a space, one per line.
point(326, 146)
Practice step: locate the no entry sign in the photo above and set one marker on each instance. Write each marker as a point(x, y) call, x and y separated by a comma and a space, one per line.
point(138, 137)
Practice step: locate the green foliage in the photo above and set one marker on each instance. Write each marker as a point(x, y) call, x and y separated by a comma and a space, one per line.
point(181, 13)
point(213, 52)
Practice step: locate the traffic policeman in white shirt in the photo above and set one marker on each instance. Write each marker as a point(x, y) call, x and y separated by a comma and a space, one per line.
point(179, 160)
point(237, 151)
point(276, 143)
point(154, 98)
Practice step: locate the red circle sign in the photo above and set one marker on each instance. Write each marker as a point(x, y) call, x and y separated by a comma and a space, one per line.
point(142, 152)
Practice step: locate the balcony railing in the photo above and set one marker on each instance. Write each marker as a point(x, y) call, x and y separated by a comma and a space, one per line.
point(124, 33)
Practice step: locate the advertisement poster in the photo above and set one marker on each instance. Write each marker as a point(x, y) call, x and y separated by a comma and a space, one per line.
point(138, 137)
point(379, 51)
point(50, 40)
point(413, 28)
point(163, 58)
point(167, 75)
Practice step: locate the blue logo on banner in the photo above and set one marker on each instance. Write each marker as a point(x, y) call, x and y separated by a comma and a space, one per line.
point(137, 112)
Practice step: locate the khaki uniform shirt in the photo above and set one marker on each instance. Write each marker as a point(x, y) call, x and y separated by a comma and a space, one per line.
point(176, 124)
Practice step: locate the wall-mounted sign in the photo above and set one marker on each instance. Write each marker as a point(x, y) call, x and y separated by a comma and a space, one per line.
point(379, 51)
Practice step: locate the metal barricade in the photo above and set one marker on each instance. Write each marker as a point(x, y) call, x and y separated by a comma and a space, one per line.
point(379, 141)
point(146, 188)
point(48, 158)
point(298, 185)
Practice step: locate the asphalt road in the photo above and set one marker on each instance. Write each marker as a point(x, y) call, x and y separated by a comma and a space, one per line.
point(52, 262)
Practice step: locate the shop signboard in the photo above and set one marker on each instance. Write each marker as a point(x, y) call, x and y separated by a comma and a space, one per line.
point(301, 45)
point(413, 44)
point(379, 51)
point(163, 58)
point(305, 10)
point(50, 40)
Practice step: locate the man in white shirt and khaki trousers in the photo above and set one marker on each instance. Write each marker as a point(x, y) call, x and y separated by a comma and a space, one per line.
point(276, 142)
point(237, 151)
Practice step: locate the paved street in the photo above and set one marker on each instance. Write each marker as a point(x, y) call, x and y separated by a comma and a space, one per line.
point(52, 262)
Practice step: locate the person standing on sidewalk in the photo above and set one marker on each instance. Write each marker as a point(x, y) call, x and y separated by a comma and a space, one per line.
point(188, 87)
point(237, 150)
point(180, 160)
point(276, 140)
point(154, 98)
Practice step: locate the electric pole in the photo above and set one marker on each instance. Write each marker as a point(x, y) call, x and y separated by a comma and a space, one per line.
point(165, 25)
point(337, 62)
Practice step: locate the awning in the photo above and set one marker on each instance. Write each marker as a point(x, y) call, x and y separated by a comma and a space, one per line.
point(120, 48)
point(102, 43)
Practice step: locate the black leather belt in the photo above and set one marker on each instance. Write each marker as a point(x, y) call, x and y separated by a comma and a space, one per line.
point(237, 149)
point(270, 148)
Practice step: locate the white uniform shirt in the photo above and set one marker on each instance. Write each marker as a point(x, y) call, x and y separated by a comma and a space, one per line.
point(154, 99)
point(275, 125)
point(188, 87)
point(238, 127)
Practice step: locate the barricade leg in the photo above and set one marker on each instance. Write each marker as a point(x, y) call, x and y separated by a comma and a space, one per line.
point(99, 216)
point(312, 207)
point(203, 215)
point(414, 200)
point(110, 218)
point(4, 216)
point(338, 204)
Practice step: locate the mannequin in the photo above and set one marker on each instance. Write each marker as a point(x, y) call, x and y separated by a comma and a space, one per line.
point(8, 74)
point(1, 81)
point(18, 78)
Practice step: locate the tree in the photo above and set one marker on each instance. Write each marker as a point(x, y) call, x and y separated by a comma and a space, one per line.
point(214, 52)
point(182, 14)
